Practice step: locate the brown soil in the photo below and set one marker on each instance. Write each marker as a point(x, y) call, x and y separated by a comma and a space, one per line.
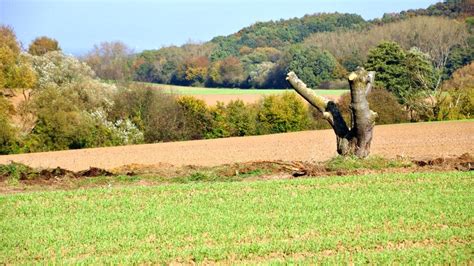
point(418, 141)
point(58, 178)
point(464, 162)
point(214, 98)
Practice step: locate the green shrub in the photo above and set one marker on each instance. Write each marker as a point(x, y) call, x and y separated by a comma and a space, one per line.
point(8, 138)
point(60, 124)
point(371, 162)
point(386, 106)
point(8, 133)
point(241, 118)
point(197, 122)
point(312, 64)
point(64, 123)
point(384, 103)
point(134, 103)
point(456, 99)
point(318, 121)
point(455, 104)
point(220, 127)
point(234, 119)
point(282, 113)
point(16, 171)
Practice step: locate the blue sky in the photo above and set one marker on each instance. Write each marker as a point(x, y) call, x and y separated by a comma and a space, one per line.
point(148, 24)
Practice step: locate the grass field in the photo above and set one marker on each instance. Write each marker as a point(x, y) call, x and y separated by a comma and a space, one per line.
point(227, 91)
point(402, 218)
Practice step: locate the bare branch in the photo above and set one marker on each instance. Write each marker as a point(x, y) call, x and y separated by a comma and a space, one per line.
point(320, 102)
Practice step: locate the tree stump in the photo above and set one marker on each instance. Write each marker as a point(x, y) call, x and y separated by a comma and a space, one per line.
point(356, 139)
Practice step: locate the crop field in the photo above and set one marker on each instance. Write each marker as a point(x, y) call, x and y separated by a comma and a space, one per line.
point(401, 218)
point(408, 215)
point(225, 95)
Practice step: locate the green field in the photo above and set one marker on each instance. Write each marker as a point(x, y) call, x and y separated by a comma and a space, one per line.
point(227, 91)
point(398, 218)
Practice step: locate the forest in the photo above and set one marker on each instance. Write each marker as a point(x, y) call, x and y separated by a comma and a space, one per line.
point(319, 47)
point(423, 60)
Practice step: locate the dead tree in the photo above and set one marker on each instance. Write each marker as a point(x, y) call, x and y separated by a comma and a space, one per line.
point(356, 139)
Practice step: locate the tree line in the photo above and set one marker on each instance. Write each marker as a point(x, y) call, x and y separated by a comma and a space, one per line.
point(259, 56)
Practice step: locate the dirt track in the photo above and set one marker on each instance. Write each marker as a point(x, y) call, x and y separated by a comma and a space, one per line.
point(421, 141)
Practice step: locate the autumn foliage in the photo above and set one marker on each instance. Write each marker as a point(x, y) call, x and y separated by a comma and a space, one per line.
point(42, 45)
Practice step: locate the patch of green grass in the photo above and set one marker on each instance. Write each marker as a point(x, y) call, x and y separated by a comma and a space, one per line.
point(377, 219)
point(202, 176)
point(371, 163)
point(447, 121)
point(228, 91)
point(211, 176)
point(252, 173)
point(193, 177)
point(16, 171)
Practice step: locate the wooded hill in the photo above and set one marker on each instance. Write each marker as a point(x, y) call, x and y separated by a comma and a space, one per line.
point(260, 55)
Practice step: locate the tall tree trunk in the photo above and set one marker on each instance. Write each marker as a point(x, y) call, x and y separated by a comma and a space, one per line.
point(356, 139)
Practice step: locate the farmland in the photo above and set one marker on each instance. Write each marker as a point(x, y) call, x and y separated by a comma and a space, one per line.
point(420, 140)
point(236, 91)
point(212, 95)
point(151, 150)
point(403, 218)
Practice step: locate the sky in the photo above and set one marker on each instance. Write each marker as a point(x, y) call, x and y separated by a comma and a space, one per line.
point(152, 24)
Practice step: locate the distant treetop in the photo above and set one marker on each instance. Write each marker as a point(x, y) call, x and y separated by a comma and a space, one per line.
point(42, 45)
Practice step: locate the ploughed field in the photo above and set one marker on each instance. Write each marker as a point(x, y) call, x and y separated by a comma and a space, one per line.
point(418, 141)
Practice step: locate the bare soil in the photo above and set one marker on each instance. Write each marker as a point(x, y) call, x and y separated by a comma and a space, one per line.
point(149, 175)
point(421, 141)
point(212, 99)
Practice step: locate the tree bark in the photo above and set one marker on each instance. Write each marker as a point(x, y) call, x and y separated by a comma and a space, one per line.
point(356, 139)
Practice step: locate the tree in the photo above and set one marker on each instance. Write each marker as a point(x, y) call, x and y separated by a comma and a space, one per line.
point(420, 73)
point(421, 78)
point(15, 68)
point(355, 140)
point(259, 75)
point(285, 32)
point(381, 101)
point(435, 36)
point(311, 64)
point(460, 54)
point(8, 133)
point(197, 118)
point(387, 60)
point(59, 123)
point(240, 118)
point(157, 66)
point(228, 72)
point(56, 69)
point(405, 74)
point(193, 70)
point(155, 113)
point(110, 60)
point(456, 98)
point(42, 45)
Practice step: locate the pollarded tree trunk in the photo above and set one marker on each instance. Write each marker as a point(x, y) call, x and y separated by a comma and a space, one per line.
point(356, 139)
